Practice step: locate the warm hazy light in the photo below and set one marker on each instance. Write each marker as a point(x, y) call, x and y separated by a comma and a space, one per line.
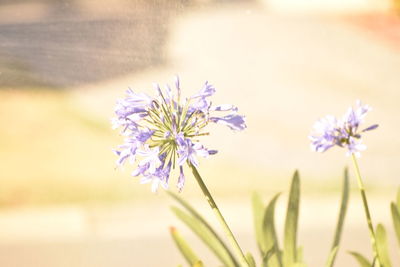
point(285, 63)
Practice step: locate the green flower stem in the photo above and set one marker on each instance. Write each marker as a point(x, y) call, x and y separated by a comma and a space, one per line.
point(366, 209)
point(220, 218)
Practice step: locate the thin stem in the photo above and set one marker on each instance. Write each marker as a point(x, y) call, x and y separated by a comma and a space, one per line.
point(366, 209)
point(219, 216)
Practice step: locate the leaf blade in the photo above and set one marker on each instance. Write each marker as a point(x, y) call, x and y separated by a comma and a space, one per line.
point(362, 261)
point(205, 235)
point(382, 246)
point(331, 257)
point(184, 247)
point(250, 260)
point(258, 215)
point(398, 199)
point(396, 220)
point(270, 237)
point(341, 218)
point(200, 218)
point(291, 222)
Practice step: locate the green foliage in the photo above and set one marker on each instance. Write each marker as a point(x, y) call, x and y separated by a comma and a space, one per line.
point(340, 223)
point(217, 245)
point(300, 254)
point(184, 247)
point(291, 223)
point(331, 258)
point(271, 241)
point(198, 264)
point(207, 236)
point(291, 255)
point(362, 261)
point(195, 214)
point(258, 215)
point(395, 209)
point(381, 243)
point(396, 220)
point(250, 260)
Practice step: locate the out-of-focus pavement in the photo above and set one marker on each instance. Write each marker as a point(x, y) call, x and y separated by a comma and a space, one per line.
point(283, 71)
point(137, 234)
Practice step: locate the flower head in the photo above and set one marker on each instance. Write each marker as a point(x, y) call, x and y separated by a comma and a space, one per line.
point(161, 132)
point(330, 131)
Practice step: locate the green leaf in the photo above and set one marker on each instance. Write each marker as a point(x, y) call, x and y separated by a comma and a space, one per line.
point(381, 243)
point(183, 246)
point(206, 235)
point(396, 220)
point(198, 264)
point(270, 237)
point(398, 199)
point(291, 223)
point(300, 257)
point(332, 256)
point(250, 260)
point(200, 218)
point(340, 222)
point(267, 256)
point(258, 215)
point(361, 259)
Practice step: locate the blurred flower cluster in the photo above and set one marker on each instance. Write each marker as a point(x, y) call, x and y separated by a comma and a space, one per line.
point(330, 131)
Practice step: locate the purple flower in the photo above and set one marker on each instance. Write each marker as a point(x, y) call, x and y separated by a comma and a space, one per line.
point(330, 131)
point(206, 91)
point(181, 179)
point(188, 152)
point(233, 121)
point(162, 132)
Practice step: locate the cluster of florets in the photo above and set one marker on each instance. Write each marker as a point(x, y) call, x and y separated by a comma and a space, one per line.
point(330, 131)
point(161, 133)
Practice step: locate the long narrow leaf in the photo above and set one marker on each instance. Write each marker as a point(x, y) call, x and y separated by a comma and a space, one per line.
point(291, 223)
point(342, 215)
point(332, 256)
point(396, 220)
point(258, 215)
point(381, 243)
point(267, 256)
point(362, 261)
point(200, 218)
point(184, 247)
point(198, 264)
point(205, 235)
point(250, 260)
point(398, 199)
point(300, 257)
point(270, 237)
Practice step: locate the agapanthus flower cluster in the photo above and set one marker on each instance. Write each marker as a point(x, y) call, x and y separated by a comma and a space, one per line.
point(330, 131)
point(162, 133)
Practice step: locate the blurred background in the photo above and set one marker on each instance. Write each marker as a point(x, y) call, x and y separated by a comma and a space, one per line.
point(284, 63)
